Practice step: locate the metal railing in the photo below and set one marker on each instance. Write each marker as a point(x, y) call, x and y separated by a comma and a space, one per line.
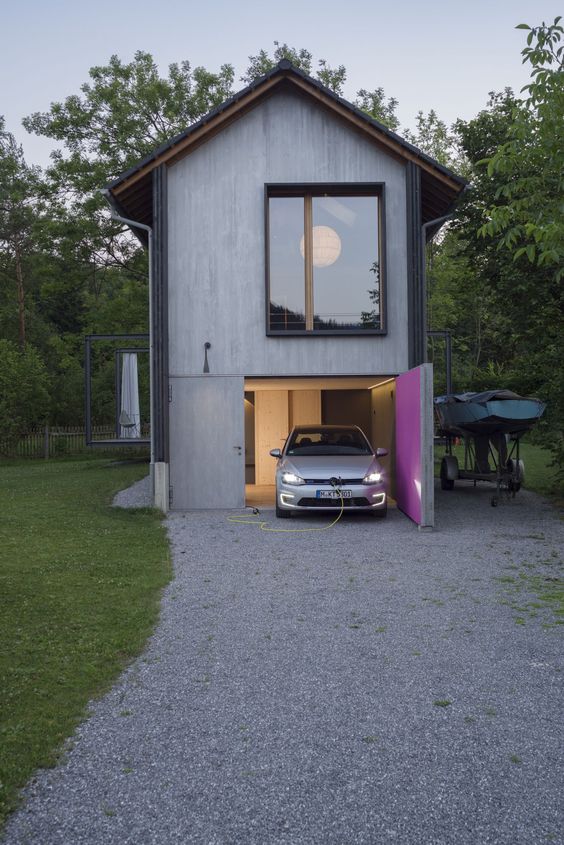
point(58, 441)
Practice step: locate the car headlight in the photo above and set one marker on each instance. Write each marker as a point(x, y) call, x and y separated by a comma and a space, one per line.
point(372, 478)
point(291, 478)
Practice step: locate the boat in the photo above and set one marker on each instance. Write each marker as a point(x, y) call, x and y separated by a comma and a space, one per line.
point(487, 413)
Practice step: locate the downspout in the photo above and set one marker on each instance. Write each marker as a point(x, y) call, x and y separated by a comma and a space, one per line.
point(137, 225)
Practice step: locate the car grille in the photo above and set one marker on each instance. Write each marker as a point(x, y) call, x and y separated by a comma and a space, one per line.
point(326, 481)
point(310, 502)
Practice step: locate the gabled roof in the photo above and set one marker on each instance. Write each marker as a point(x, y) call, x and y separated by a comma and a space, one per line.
point(131, 192)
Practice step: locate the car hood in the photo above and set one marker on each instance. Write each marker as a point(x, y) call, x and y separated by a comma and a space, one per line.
point(326, 466)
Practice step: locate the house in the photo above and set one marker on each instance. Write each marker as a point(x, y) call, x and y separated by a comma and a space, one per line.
point(288, 233)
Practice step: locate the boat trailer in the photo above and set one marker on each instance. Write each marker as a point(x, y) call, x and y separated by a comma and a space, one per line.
point(494, 458)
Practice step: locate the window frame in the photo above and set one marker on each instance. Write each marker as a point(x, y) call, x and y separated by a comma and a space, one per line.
point(313, 189)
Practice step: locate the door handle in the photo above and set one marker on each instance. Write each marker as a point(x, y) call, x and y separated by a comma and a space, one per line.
point(239, 449)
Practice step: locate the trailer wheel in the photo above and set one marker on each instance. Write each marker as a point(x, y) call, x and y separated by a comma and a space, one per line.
point(449, 472)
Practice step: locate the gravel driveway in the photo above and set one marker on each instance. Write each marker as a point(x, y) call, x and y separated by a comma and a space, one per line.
point(365, 684)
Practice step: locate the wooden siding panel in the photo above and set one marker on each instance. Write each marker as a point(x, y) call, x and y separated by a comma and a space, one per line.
point(271, 430)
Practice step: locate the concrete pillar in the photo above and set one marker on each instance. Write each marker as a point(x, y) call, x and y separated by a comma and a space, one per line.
point(161, 486)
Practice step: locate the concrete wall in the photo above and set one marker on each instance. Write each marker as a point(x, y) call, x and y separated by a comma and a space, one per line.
point(217, 244)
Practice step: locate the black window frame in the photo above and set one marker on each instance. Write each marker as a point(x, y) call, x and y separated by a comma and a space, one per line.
point(343, 189)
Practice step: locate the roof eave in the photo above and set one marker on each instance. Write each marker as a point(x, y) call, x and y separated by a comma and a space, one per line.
point(285, 70)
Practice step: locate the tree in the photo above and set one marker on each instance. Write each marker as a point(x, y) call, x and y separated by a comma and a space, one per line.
point(120, 115)
point(18, 208)
point(374, 103)
point(433, 137)
point(262, 63)
point(123, 113)
point(527, 216)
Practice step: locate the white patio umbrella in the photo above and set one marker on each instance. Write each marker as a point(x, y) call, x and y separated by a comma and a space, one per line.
point(129, 418)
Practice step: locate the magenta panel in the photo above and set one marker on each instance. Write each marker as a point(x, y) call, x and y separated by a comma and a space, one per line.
point(408, 443)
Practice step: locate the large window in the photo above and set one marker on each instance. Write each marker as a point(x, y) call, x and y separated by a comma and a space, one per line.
point(325, 262)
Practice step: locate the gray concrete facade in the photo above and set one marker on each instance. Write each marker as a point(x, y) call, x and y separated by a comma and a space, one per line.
point(217, 244)
point(216, 282)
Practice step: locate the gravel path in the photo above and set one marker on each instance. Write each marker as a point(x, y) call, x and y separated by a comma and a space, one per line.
point(136, 496)
point(366, 684)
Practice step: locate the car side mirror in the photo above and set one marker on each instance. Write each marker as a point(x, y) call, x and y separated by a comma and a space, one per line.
point(276, 453)
point(381, 453)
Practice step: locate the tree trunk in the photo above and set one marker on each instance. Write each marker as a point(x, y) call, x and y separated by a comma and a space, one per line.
point(21, 295)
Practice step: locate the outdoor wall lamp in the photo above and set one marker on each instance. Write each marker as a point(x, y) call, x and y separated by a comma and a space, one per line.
point(207, 345)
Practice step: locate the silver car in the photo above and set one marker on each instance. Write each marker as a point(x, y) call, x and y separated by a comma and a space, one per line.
point(327, 466)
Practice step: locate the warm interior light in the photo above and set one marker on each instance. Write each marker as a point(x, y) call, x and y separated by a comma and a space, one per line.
point(326, 246)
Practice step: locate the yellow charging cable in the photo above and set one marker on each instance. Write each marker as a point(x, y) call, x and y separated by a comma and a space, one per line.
point(249, 519)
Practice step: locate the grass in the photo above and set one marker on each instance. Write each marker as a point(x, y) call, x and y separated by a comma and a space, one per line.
point(547, 589)
point(79, 585)
point(539, 476)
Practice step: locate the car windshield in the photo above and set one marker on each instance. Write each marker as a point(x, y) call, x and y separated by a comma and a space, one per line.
point(334, 441)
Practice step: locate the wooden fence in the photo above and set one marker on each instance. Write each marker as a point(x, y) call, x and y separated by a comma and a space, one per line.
point(57, 441)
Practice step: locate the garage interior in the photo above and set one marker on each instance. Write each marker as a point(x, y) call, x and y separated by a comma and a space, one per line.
point(273, 406)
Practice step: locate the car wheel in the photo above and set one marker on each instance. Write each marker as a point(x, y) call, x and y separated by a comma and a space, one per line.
point(380, 514)
point(281, 513)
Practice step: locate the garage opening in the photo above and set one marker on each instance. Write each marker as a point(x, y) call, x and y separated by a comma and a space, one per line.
point(274, 406)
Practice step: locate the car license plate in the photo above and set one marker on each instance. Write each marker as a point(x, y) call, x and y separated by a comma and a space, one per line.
point(334, 494)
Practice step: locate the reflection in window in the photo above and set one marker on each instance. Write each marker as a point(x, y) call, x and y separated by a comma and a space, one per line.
point(287, 290)
point(346, 277)
point(324, 267)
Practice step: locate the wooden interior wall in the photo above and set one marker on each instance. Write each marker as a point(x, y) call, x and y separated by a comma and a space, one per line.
point(305, 407)
point(271, 430)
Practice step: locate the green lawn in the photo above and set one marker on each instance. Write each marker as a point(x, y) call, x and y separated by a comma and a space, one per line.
point(80, 584)
point(539, 476)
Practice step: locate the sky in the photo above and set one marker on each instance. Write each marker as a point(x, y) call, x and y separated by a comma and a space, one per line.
point(441, 55)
